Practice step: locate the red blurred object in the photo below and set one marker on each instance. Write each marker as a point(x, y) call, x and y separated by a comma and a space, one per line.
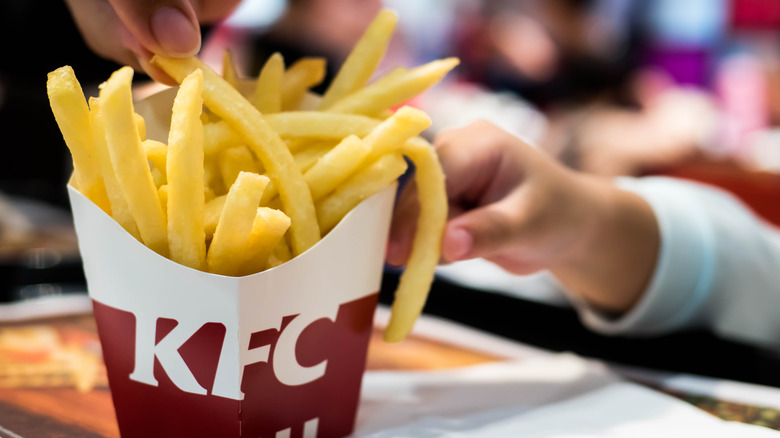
point(755, 14)
point(760, 191)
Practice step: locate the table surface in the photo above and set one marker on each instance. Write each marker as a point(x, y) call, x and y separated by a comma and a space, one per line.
point(63, 411)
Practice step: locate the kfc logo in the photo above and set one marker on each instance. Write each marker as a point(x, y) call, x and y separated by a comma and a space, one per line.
point(296, 376)
point(286, 367)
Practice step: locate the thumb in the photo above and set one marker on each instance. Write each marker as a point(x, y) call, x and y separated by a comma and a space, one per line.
point(482, 232)
point(168, 27)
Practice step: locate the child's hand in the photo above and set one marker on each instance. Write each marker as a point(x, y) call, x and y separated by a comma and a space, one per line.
point(518, 207)
point(130, 31)
point(509, 203)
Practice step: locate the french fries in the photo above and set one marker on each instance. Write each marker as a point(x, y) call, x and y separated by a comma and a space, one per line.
point(186, 200)
point(228, 103)
point(362, 185)
point(72, 115)
point(129, 160)
point(268, 87)
point(302, 75)
point(256, 171)
point(394, 89)
point(229, 244)
point(408, 303)
point(363, 60)
point(119, 208)
point(267, 231)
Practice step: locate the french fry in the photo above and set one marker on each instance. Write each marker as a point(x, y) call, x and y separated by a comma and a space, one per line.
point(208, 192)
point(385, 138)
point(267, 230)
point(186, 202)
point(229, 72)
point(162, 194)
point(392, 133)
point(322, 125)
point(281, 254)
point(243, 117)
point(234, 161)
point(71, 112)
point(129, 160)
point(394, 90)
point(157, 154)
point(212, 177)
point(293, 125)
point(304, 159)
point(119, 208)
point(302, 75)
point(268, 86)
point(228, 246)
point(141, 123)
point(415, 282)
point(296, 145)
point(218, 136)
point(211, 215)
point(335, 166)
point(157, 177)
point(362, 60)
point(368, 181)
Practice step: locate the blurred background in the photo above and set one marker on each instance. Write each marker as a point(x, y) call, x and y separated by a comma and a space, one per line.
point(689, 89)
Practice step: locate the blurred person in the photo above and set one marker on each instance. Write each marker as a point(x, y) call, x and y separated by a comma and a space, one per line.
point(583, 64)
point(551, 52)
point(636, 256)
point(671, 126)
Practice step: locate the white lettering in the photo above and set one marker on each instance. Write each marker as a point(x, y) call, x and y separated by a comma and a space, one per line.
point(166, 352)
point(234, 356)
point(286, 366)
point(309, 430)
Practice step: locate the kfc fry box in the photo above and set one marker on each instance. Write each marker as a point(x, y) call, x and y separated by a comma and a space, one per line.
point(276, 354)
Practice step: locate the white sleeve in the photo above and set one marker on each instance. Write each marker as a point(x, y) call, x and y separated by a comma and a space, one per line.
point(718, 267)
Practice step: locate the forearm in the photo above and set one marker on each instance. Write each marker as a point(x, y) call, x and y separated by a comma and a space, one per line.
point(612, 263)
point(716, 268)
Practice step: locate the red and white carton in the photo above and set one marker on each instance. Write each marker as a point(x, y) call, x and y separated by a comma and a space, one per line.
point(277, 354)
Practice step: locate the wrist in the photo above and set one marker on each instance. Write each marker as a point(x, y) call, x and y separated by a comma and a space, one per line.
point(589, 200)
point(612, 259)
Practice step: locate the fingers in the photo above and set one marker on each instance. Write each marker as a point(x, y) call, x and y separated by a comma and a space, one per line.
point(483, 163)
point(480, 169)
point(103, 32)
point(129, 32)
point(167, 27)
point(484, 231)
point(404, 223)
point(502, 200)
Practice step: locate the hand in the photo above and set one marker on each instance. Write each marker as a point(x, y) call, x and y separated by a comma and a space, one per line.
point(519, 208)
point(131, 31)
point(509, 203)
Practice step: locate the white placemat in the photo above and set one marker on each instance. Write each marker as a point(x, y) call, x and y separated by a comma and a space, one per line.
point(553, 396)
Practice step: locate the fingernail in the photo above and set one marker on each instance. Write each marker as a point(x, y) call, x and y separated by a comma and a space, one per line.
point(176, 34)
point(457, 244)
